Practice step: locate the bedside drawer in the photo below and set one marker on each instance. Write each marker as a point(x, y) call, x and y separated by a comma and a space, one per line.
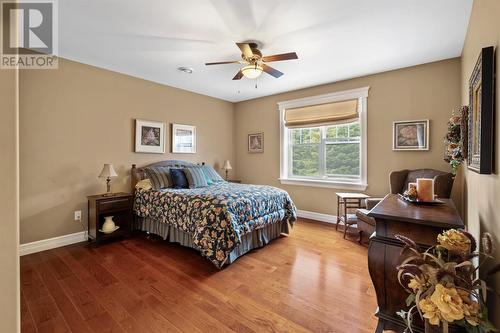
point(114, 205)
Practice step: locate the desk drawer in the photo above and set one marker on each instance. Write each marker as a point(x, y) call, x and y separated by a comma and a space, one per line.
point(114, 205)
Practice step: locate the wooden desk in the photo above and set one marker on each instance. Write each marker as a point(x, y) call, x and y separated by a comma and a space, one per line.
point(348, 201)
point(422, 223)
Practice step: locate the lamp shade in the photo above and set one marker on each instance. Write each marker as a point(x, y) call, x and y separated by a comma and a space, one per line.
point(227, 165)
point(252, 71)
point(107, 171)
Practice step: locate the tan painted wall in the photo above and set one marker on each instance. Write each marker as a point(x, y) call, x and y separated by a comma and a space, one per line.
point(9, 238)
point(426, 91)
point(74, 119)
point(483, 191)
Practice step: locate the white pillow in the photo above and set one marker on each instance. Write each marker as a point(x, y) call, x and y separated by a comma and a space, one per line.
point(144, 184)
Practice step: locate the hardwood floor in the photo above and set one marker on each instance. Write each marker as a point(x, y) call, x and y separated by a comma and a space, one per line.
point(311, 281)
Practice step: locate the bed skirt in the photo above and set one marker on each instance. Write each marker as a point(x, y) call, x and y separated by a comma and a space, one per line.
point(253, 240)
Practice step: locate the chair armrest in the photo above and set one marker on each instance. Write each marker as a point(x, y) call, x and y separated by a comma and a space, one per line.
point(372, 202)
point(362, 215)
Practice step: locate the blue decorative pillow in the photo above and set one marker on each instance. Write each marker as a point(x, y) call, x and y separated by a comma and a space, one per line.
point(212, 174)
point(196, 177)
point(159, 177)
point(209, 181)
point(179, 179)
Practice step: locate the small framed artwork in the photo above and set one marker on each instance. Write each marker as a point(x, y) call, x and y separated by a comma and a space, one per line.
point(149, 136)
point(410, 135)
point(256, 142)
point(183, 139)
point(481, 114)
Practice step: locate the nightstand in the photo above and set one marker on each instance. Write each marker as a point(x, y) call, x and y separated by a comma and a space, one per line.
point(234, 180)
point(118, 205)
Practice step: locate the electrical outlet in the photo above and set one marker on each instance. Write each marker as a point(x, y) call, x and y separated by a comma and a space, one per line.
point(78, 215)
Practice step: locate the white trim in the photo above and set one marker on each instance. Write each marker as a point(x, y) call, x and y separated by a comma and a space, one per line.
point(317, 216)
point(324, 183)
point(52, 243)
point(362, 95)
point(325, 98)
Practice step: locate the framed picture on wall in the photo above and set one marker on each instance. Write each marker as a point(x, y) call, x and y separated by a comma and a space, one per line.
point(149, 136)
point(410, 135)
point(481, 114)
point(183, 139)
point(256, 142)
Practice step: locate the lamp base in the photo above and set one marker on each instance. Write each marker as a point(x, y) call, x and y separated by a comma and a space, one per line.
point(108, 187)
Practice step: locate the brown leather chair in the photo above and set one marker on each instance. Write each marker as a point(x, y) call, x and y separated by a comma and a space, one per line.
point(443, 183)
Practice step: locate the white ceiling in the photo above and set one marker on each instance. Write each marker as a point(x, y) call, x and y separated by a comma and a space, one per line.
point(334, 39)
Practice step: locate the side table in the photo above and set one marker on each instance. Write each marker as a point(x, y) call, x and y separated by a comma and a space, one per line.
point(346, 201)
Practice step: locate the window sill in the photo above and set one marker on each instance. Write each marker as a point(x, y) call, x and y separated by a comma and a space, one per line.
point(323, 183)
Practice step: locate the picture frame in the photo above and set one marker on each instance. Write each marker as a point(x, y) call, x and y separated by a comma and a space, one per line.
point(481, 113)
point(149, 136)
point(410, 135)
point(256, 142)
point(183, 139)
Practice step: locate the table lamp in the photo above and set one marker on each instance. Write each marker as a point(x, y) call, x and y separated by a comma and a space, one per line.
point(227, 166)
point(107, 172)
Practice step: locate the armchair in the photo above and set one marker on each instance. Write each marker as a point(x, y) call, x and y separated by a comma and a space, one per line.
point(443, 183)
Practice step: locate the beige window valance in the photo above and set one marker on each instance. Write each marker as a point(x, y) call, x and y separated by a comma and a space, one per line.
point(321, 114)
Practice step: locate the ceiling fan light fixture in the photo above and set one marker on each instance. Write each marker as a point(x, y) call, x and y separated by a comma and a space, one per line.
point(252, 71)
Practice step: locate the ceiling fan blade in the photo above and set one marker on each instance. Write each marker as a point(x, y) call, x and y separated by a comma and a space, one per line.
point(280, 57)
point(245, 49)
point(221, 63)
point(238, 75)
point(271, 71)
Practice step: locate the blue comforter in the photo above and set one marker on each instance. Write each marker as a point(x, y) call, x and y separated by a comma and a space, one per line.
point(218, 215)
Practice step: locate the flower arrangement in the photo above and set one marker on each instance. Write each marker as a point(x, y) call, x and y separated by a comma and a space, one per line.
point(456, 147)
point(442, 283)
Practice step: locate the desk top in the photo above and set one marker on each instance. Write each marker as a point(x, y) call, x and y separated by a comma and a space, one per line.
point(345, 195)
point(393, 207)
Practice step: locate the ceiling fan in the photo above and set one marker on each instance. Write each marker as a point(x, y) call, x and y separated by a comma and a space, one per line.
point(254, 62)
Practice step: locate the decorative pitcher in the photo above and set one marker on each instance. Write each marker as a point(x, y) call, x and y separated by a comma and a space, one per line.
point(109, 225)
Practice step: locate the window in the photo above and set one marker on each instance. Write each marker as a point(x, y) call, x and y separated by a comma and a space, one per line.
point(326, 155)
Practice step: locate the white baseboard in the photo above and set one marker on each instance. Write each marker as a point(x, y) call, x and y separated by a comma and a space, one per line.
point(52, 243)
point(317, 216)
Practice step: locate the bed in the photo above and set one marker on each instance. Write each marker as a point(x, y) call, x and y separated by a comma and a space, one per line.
point(222, 221)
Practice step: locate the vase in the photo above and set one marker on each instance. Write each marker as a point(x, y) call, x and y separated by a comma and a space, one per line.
point(109, 224)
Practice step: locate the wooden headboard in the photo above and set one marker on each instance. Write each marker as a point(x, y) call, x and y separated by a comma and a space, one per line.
point(138, 174)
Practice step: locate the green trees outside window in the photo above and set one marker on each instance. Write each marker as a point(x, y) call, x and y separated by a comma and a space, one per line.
point(326, 151)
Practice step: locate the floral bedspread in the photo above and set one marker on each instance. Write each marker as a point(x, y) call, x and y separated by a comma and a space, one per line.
point(218, 215)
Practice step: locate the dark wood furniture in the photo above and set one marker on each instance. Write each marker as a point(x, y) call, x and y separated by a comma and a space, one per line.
point(345, 202)
point(118, 205)
point(422, 223)
point(234, 181)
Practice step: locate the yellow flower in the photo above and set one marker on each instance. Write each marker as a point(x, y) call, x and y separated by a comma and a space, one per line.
point(430, 311)
point(470, 308)
point(449, 303)
point(454, 240)
point(414, 285)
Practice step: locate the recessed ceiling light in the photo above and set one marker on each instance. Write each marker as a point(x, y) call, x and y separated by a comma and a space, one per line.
point(187, 70)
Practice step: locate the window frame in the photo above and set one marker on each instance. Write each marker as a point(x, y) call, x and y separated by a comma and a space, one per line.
point(285, 153)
